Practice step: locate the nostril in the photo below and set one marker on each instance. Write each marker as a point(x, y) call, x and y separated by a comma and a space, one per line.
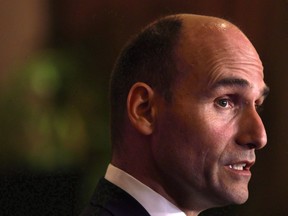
point(252, 146)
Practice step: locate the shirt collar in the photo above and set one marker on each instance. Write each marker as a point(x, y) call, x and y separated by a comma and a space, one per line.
point(154, 203)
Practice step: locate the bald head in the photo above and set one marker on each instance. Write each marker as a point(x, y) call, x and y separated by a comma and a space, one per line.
point(207, 43)
point(163, 51)
point(210, 33)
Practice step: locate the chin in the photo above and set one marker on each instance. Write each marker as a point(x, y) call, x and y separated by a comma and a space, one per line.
point(233, 197)
point(242, 200)
point(239, 198)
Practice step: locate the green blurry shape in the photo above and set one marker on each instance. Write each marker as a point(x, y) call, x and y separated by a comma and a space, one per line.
point(45, 77)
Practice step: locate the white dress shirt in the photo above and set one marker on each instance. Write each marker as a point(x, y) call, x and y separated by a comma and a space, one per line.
point(154, 203)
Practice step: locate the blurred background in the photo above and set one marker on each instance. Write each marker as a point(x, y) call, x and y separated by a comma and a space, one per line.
point(55, 61)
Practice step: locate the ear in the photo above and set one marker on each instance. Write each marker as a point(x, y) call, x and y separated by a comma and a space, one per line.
point(141, 107)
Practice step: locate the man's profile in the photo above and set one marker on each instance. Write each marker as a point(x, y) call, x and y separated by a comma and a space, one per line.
point(184, 122)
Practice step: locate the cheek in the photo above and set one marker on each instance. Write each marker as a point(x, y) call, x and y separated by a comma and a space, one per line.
point(183, 143)
point(215, 140)
point(192, 135)
point(219, 127)
point(176, 144)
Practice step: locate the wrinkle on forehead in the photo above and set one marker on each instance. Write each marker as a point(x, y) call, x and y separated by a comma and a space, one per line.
point(236, 62)
point(210, 49)
point(209, 40)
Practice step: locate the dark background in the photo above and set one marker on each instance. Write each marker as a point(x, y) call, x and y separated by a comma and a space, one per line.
point(55, 61)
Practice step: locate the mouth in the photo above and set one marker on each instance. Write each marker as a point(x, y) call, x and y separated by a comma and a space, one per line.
point(241, 167)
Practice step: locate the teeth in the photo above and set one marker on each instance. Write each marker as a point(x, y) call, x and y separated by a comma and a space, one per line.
point(237, 166)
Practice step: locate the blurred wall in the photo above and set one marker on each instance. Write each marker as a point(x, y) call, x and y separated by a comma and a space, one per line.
point(24, 28)
point(56, 57)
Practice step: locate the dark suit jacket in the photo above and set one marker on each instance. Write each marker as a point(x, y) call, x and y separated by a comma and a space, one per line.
point(110, 200)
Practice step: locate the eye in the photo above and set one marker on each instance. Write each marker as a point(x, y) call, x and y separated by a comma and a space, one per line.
point(224, 102)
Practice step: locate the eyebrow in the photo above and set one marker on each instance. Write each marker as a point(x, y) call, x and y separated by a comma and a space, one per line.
point(232, 82)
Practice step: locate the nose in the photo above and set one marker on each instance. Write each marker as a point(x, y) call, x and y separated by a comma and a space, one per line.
point(251, 131)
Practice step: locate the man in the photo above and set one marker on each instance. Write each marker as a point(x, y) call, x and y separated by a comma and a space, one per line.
point(184, 120)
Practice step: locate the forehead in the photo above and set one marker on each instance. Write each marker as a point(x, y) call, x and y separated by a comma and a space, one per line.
point(215, 54)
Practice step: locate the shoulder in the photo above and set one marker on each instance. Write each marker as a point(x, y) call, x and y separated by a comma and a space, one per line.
point(108, 200)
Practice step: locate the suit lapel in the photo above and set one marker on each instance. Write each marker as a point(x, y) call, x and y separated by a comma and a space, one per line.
point(115, 200)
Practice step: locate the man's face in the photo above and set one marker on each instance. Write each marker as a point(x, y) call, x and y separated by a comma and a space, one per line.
point(206, 137)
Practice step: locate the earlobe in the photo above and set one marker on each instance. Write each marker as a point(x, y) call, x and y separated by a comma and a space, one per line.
point(140, 107)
